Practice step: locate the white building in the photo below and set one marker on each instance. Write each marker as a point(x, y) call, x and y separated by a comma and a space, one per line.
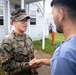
point(36, 25)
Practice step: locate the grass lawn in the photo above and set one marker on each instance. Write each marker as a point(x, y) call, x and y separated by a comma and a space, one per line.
point(48, 46)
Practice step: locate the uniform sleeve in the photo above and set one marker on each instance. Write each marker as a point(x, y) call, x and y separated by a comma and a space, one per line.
point(30, 47)
point(6, 59)
point(63, 66)
point(32, 50)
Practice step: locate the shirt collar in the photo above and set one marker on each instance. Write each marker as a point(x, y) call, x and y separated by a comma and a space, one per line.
point(18, 36)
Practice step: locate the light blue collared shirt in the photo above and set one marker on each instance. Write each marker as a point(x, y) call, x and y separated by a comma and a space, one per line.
point(64, 58)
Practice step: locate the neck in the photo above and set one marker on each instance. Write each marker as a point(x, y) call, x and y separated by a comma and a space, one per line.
point(19, 32)
point(69, 30)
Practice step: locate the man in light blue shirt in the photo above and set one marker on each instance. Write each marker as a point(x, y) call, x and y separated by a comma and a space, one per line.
point(64, 59)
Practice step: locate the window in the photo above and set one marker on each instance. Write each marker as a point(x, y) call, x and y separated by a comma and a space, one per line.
point(32, 21)
point(17, 6)
point(1, 16)
point(33, 17)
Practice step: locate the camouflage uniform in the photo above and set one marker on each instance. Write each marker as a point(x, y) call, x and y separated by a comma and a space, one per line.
point(15, 53)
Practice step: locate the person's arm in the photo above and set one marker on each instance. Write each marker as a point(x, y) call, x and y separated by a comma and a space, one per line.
point(30, 46)
point(36, 63)
point(45, 61)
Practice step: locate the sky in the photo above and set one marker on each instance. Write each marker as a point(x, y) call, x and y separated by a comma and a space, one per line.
point(47, 6)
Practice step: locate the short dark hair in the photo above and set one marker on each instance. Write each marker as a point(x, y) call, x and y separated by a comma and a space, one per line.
point(70, 5)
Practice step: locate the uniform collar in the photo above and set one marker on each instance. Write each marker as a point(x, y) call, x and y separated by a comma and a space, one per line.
point(18, 36)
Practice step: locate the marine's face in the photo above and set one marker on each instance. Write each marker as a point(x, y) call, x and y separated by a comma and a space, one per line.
point(58, 24)
point(21, 26)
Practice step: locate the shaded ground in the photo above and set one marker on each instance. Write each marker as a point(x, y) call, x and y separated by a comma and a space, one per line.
point(44, 70)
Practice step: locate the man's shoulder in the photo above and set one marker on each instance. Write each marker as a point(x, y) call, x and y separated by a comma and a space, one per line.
point(68, 51)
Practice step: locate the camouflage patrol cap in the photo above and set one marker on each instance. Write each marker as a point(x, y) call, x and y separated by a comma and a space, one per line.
point(19, 14)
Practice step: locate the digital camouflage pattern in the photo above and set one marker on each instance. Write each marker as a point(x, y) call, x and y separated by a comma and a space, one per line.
point(15, 53)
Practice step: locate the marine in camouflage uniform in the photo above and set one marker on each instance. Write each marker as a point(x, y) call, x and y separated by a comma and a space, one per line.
point(15, 53)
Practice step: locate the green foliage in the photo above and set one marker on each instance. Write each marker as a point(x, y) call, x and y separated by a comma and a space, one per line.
point(48, 45)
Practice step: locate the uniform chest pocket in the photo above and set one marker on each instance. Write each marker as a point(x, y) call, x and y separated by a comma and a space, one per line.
point(20, 55)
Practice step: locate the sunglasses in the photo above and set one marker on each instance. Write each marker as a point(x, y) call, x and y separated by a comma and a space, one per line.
point(23, 21)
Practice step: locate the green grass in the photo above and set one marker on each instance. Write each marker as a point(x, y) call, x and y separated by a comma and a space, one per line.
point(59, 34)
point(48, 46)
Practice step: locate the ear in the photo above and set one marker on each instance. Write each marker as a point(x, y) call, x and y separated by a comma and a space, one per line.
point(61, 15)
point(14, 24)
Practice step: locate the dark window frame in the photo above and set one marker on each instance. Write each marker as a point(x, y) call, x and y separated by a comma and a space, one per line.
point(17, 6)
point(2, 17)
point(32, 21)
point(33, 17)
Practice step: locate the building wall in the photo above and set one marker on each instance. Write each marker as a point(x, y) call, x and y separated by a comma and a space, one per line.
point(4, 28)
point(36, 31)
